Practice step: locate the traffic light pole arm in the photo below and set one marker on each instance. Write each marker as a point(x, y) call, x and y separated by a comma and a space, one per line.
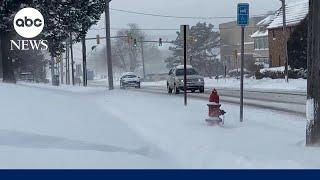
point(116, 37)
point(168, 42)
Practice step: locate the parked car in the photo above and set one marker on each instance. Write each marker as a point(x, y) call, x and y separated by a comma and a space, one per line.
point(175, 81)
point(130, 79)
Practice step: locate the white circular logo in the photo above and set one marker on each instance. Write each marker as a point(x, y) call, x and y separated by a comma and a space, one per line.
point(28, 22)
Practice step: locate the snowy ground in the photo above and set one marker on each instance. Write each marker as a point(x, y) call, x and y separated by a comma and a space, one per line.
point(297, 85)
point(47, 127)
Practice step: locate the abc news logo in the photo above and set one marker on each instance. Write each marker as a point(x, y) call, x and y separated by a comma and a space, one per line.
point(29, 23)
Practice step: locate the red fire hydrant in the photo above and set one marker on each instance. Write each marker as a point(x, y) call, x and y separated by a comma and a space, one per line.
point(214, 109)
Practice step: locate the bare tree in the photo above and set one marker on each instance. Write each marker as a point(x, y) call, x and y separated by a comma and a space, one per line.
point(125, 51)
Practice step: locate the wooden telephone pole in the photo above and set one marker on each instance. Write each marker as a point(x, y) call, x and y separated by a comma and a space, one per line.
point(108, 41)
point(313, 108)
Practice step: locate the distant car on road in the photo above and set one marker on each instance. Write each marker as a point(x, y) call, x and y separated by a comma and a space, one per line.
point(176, 77)
point(130, 79)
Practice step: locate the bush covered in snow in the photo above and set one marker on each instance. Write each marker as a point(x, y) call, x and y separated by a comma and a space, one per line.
point(236, 72)
point(278, 73)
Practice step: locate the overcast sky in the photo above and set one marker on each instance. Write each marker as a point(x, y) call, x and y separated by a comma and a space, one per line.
point(205, 8)
point(180, 8)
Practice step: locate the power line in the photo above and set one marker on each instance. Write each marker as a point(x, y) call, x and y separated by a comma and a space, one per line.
point(169, 16)
point(180, 17)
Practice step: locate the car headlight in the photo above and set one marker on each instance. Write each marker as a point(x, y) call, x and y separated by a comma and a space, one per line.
point(181, 80)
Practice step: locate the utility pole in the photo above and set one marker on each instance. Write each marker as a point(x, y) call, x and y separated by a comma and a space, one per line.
point(108, 40)
point(142, 57)
point(285, 39)
point(72, 63)
point(313, 108)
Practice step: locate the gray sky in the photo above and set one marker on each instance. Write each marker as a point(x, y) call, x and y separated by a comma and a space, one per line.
point(206, 8)
point(180, 8)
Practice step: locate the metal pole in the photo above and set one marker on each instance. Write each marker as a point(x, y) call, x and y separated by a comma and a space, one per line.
point(142, 56)
point(67, 64)
point(84, 60)
point(285, 49)
point(185, 63)
point(241, 78)
point(109, 60)
point(61, 69)
point(72, 62)
point(52, 70)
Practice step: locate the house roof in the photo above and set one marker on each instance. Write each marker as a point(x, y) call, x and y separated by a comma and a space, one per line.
point(295, 13)
point(266, 21)
point(260, 34)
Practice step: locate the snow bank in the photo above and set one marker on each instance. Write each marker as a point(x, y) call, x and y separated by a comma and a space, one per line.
point(296, 85)
point(274, 69)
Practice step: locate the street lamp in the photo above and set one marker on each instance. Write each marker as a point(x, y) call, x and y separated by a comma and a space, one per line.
point(285, 49)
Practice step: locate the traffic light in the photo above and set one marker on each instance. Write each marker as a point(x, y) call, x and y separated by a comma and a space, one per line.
point(235, 54)
point(160, 41)
point(135, 43)
point(98, 39)
point(58, 59)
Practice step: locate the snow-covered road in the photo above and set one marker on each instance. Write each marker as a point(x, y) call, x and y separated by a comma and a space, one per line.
point(48, 127)
point(290, 101)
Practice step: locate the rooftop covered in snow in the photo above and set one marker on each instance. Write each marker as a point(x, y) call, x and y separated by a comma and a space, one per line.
point(262, 33)
point(266, 21)
point(295, 13)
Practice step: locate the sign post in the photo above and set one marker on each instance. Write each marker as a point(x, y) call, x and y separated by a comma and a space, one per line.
point(184, 29)
point(243, 21)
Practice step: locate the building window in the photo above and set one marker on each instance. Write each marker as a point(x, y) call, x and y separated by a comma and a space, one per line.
point(261, 43)
point(266, 43)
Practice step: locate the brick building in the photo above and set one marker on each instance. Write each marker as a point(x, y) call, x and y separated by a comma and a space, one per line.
point(295, 14)
point(230, 39)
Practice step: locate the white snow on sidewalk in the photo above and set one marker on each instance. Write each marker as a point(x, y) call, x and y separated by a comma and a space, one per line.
point(47, 127)
point(74, 127)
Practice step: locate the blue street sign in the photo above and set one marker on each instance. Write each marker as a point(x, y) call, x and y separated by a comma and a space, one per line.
point(243, 14)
